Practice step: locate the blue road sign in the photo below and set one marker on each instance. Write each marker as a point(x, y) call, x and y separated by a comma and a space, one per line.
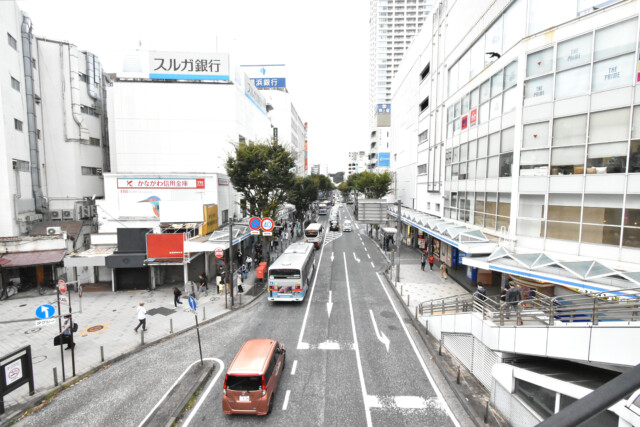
point(254, 223)
point(45, 311)
point(192, 303)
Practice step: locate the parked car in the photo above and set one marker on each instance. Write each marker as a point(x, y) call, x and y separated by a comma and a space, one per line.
point(346, 226)
point(253, 377)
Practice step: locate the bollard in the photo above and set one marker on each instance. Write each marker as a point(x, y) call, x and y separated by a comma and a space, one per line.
point(170, 326)
point(101, 353)
point(426, 326)
point(401, 289)
point(440, 349)
point(458, 376)
point(55, 377)
point(142, 337)
point(486, 411)
point(408, 300)
point(416, 312)
point(204, 313)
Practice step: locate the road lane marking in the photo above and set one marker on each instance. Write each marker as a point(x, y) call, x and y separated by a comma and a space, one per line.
point(329, 305)
point(329, 345)
point(442, 403)
point(293, 369)
point(368, 256)
point(365, 248)
point(301, 345)
point(202, 397)
point(372, 264)
point(379, 334)
point(286, 400)
point(356, 347)
point(354, 257)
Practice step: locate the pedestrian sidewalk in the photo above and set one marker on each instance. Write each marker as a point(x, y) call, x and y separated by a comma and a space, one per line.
point(105, 320)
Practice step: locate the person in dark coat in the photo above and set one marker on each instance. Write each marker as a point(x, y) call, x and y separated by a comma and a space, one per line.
point(176, 296)
point(481, 292)
point(423, 261)
point(512, 298)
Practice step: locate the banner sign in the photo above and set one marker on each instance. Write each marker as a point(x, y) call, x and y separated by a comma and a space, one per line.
point(165, 245)
point(188, 66)
point(173, 183)
point(273, 82)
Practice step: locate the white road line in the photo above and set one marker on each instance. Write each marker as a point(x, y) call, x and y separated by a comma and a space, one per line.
point(369, 256)
point(365, 248)
point(286, 400)
point(293, 368)
point(372, 264)
point(301, 345)
point(443, 403)
point(203, 396)
point(356, 347)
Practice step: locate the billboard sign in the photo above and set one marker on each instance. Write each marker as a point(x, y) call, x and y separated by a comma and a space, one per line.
point(165, 245)
point(188, 66)
point(384, 159)
point(267, 76)
point(173, 183)
point(274, 82)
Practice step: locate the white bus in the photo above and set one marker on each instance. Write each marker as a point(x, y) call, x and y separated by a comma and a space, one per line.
point(313, 234)
point(291, 274)
point(322, 209)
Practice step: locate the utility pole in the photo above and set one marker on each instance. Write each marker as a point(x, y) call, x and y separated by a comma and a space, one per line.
point(398, 238)
point(230, 267)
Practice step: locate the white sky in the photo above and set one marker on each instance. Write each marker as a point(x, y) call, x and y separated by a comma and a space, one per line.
point(325, 45)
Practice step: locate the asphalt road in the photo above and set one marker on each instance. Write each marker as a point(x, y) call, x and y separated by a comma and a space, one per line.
point(350, 358)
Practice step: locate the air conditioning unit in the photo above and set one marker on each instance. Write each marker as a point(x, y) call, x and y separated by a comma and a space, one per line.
point(67, 214)
point(86, 212)
point(56, 214)
point(51, 231)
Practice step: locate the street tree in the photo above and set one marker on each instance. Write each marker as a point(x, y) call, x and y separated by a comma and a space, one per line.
point(372, 185)
point(303, 193)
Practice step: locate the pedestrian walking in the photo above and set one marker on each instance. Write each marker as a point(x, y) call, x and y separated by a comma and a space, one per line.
point(142, 318)
point(67, 333)
point(240, 282)
point(513, 297)
point(431, 262)
point(176, 296)
point(243, 271)
point(423, 261)
point(481, 292)
point(249, 260)
point(204, 281)
point(503, 293)
point(443, 271)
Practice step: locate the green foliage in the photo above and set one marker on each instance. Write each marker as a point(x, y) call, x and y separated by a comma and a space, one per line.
point(372, 185)
point(323, 183)
point(261, 172)
point(345, 189)
point(302, 194)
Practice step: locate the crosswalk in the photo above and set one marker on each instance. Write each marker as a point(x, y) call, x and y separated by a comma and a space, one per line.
point(331, 236)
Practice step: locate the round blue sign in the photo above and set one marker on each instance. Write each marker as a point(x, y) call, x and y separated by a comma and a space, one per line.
point(45, 311)
point(254, 223)
point(192, 303)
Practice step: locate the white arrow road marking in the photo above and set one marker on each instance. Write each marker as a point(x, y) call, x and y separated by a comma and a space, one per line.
point(293, 369)
point(354, 257)
point(381, 336)
point(329, 305)
point(286, 400)
point(331, 256)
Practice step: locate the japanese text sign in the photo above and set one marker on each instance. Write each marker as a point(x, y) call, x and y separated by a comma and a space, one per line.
point(188, 66)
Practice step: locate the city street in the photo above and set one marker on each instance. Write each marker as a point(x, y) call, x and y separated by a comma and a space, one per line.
point(351, 358)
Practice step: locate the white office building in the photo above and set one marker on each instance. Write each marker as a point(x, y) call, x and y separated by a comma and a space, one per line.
point(358, 161)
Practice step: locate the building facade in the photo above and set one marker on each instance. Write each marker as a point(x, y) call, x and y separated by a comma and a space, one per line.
point(358, 161)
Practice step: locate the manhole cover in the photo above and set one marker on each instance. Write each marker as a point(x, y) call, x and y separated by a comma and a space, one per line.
point(39, 359)
point(32, 331)
point(386, 314)
point(160, 310)
point(95, 328)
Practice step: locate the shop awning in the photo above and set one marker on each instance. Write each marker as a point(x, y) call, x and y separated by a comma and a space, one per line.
point(126, 260)
point(94, 257)
point(26, 259)
point(219, 239)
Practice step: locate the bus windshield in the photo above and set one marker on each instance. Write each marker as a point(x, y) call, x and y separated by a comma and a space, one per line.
point(284, 273)
point(311, 233)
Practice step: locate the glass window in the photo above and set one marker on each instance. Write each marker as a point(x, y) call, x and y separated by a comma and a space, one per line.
point(607, 158)
point(506, 162)
point(563, 230)
point(509, 100)
point(531, 206)
point(475, 97)
point(456, 154)
point(506, 144)
point(538, 90)
point(450, 114)
point(496, 107)
point(483, 114)
point(613, 73)
point(631, 235)
point(477, 57)
point(616, 39)
point(472, 149)
point(496, 83)
point(574, 82)
point(574, 52)
point(485, 91)
point(504, 205)
point(564, 207)
point(463, 170)
point(493, 167)
point(531, 227)
point(493, 41)
point(612, 125)
point(463, 152)
point(547, 13)
point(481, 168)
point(472, 169)
point(634, 156)
point(567, 161)
point(492, 203)
point(604, 418)
point(465, 104)
point(601, 234)
point(514, 24)
point(456, 126)
point(511, 75)
point(482, 146)
point(450, 129)
point(457, 109)
point(540, 62)
point(463, 69)
point(494, 144)
point(453, 79)
point(534, 162)
point(635, 124)
point(569, 130)
point(602, 209)
point(536, 135)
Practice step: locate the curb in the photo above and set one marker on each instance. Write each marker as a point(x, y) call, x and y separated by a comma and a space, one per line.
point(14, 413)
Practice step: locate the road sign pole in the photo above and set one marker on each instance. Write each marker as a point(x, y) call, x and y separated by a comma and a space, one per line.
point(73, 344)
point(231, 259)
point(60, 336)
point(199, 343)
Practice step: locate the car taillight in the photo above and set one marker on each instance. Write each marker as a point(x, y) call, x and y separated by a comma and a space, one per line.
point(264, 387)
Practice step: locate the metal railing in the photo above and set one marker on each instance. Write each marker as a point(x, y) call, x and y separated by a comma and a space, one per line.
point(622, 305)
